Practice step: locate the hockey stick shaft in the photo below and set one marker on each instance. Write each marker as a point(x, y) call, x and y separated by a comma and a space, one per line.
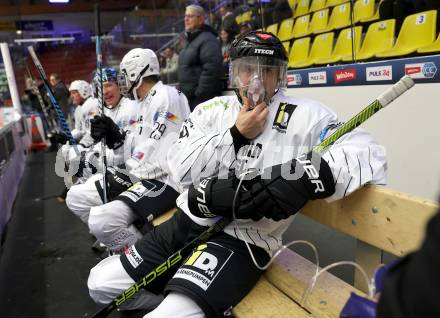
point(49, 121)
point(100, 95)
point(222, 223)
point(55, 104)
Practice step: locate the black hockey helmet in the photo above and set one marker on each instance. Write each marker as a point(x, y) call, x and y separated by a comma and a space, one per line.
point(258, 43)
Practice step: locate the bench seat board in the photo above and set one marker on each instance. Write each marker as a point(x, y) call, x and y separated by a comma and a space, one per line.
point(266, 301)
point(387, 219)
point(291, 274)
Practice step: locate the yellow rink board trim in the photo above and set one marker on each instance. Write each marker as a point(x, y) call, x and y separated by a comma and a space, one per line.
point(389, 220)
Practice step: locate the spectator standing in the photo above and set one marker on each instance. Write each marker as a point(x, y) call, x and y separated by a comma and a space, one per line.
point(228, 20)
point(200, 61)
point(169, 71)
point(61, 93)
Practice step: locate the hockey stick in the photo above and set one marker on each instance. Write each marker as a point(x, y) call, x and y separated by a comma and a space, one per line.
point(50, 122)
point(100, 96)
point(387, 97)
point(55, 104)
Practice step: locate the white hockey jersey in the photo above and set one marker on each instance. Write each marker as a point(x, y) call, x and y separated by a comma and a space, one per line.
point(294, 125)
point(147, 142)
point(89, 109)
point(125, 113)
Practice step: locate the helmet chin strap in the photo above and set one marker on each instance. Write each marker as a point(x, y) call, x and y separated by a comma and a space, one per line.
point(136, 82)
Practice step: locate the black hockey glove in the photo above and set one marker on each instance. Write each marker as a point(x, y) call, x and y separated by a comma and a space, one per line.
point(104, 127)
point(117, 182)
point(279, 192)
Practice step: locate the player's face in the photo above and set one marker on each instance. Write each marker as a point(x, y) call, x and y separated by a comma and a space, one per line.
point(267, 74)
point(112, 94)
point(76, 97)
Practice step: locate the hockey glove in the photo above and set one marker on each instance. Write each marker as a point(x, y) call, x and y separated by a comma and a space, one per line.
point(104, 127)
point(117, 182)
point(279, 192)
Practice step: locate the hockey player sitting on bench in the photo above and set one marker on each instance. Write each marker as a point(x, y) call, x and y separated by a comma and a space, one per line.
point(146, 143)
point(258, 130)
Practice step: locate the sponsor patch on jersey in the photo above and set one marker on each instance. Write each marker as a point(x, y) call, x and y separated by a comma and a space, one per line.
point(345, 75)
point(282, 117)
point(138, 155)
point(133, 256)
point(294, 79)
point(167, 115)
point(202, 267)
point(421, 70)
point(379, 73)
point(214, 104)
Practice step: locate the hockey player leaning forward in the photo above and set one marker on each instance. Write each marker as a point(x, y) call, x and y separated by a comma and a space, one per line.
point(261, 130)
point(86, 108)
point(145, 144)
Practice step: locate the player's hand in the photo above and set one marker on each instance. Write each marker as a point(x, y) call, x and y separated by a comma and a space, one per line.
point(251, 122)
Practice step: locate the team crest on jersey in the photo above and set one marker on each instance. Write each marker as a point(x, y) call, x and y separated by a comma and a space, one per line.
point(282, 118)
point(202, 267)
point(167, 115)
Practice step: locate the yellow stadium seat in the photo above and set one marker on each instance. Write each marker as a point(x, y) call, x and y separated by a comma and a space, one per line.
point(340, 17)
point(292, 4)
point(285, 31)
point(332, 3)
point(299, 52)
point(375, 16)
point(302, 7)
point(434, 47)
point(379, 38)
point(286, 46)
point(239, 19)
point(321, 48)
point(317, 5)
point(273, 28)
point(343, 46)
point(363, 9)
point(417, 30)
point(319, 21)
point(246, 16)
point(301, 26)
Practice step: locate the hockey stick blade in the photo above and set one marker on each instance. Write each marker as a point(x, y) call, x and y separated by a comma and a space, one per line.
point(396, 90)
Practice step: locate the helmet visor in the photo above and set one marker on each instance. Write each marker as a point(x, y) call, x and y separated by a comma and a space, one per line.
point(267, 69)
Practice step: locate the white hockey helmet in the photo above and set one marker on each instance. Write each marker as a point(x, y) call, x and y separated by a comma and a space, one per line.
point(84, 89)
point(137, 64)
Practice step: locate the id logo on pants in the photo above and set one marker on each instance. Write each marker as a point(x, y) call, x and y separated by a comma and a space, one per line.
point(205, 263)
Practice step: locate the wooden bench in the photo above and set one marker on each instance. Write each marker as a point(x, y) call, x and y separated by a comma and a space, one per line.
point(379, 218)
point(382, 220)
